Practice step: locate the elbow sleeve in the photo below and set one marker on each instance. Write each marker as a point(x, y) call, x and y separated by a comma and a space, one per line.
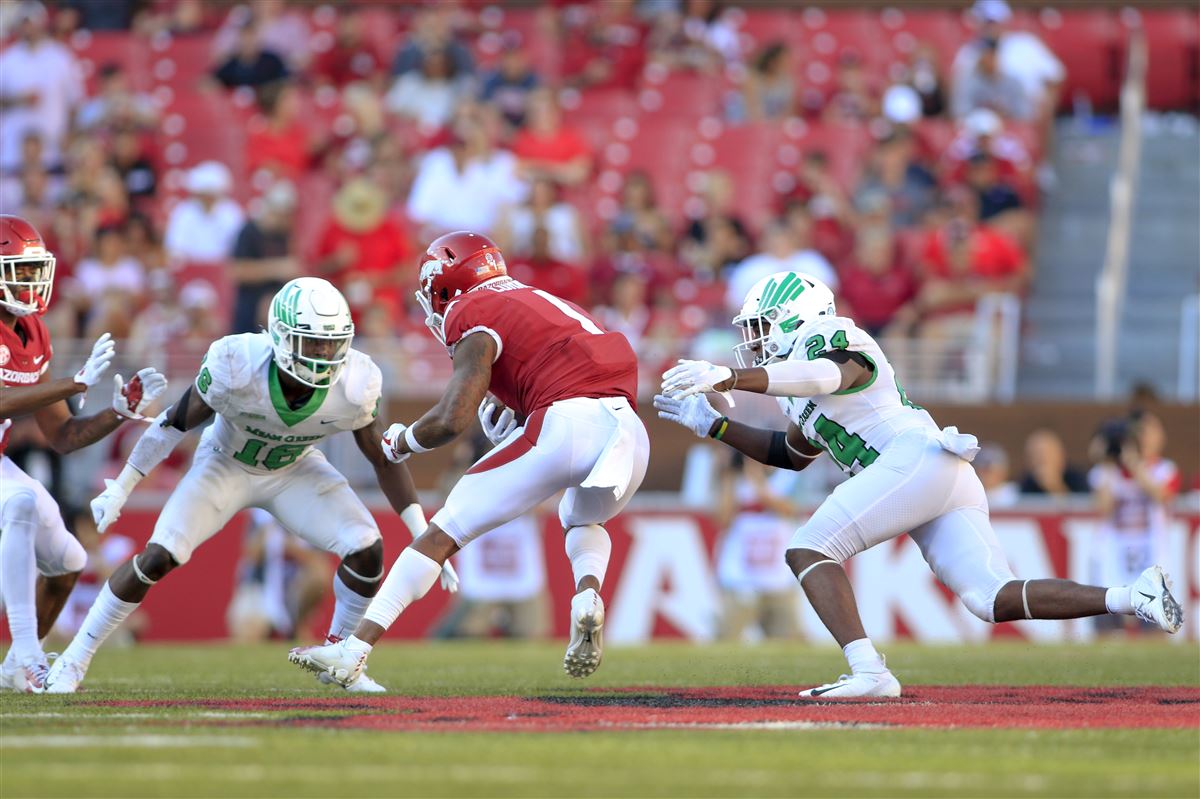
point(155, 444)
point(803, 378)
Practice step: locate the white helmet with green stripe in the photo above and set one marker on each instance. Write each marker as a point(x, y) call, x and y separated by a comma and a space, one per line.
point(775, 309)
point(311, 330)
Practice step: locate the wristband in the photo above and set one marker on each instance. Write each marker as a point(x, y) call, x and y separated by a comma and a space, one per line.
point(411, 440)
point(721, 428)
point(128, 478)
point(414, 519)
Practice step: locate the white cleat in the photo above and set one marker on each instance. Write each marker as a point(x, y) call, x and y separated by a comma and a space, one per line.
point(587, 634)
point(1153, 602)
point(29, 679)
point(850, 686)
point(335, 661)
point(363, 685)
point(64, 677)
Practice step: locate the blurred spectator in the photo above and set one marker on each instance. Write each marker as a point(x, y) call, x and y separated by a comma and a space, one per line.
point(110, 283)
point(280, 143)
point(627, 313)
point(281, 581)
point(877, 284)
point(991, 464)
point(545, 148)
point(433, 30)
point(769, 90)
point(508, 87)
point(983, 131)
point(544, 210)
point(104, 554)
point(130, 160)
point(204, 322)
point(853, 100)
point(203, 226)
point(34, 194)
point(697, 42)
point(539, 267)
point(352, 57)
point(101, 15)
point(985, 86)
point(1132, 486)
point(1020, 56)
point(640, 217)
point(363, 249)
point(1047, 471)
point(116, 106)
point(758, 590)
point(709, 24)
point(161, 323)
point(923, 72)
point(964, 260)
point(282, 28)
point(1000, 206)
point(264, 257)
point(429, 94)
point(464, 185)
point(820, 194)
point(142, 242)
point(251, 63)
point(780, 253)
point(603, 45)
point(41, 84)
point(717, 241)
point(894, 170)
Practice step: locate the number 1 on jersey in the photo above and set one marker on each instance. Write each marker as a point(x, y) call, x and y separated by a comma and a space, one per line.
point(587, 324)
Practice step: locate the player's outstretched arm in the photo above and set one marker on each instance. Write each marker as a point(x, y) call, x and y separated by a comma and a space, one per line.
point(455, 411)
point(775, 448)
point(395, 480)
point(20, 400)
point(163, 435)
point(67, 433)
point(833, 371)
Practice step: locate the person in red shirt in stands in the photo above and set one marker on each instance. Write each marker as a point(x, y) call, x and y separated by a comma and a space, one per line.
point(352, 57)
point(877, 283)
point(540, 269)
point(280, 142)
point(363, 248)
point(546, 148)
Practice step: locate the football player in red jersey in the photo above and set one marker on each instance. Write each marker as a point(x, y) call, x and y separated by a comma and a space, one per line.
point(33, 539)
point(565, 389)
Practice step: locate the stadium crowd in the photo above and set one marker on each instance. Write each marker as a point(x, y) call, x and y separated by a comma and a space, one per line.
point(615, 150)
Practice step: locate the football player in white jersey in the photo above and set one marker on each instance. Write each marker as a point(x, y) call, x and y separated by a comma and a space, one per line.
point(841, 396)
point(274, 394)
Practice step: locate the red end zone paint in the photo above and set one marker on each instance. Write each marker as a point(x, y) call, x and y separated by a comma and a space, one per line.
point(971, 706)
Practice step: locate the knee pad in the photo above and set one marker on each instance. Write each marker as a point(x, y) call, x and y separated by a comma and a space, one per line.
point(982, 601)
point(19, 511)
point(74, 557)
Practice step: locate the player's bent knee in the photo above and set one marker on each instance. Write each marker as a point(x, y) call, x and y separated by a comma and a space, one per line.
point(74, 558)
point(155, 562)
point(366, 564)
point(982, 602)
point(799, 558)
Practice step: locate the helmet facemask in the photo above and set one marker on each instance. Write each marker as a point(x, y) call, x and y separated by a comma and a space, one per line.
point(314, 359)
point(27, 280)
point(765, 338)
point(431, 268)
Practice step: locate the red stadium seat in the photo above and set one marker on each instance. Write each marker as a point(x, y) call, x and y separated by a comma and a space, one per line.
point(762, 26)
point(747, 153)
point(95, 49)
point(1088, 44)
point(1173, 72)
point(692, 96)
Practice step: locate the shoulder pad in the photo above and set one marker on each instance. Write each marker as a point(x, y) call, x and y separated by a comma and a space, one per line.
point(363, 387)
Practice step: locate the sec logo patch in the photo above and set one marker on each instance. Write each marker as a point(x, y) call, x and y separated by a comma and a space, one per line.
point(5, 355)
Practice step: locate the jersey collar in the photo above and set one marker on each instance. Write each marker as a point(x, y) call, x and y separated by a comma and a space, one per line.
point(292, 416)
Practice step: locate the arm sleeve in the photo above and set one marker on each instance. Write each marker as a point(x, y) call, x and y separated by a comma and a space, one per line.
point(803, 378)
point(154, 445)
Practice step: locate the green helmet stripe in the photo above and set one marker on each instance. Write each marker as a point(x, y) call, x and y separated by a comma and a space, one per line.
point(762, 300)
point(796, 292)
point(769, 301)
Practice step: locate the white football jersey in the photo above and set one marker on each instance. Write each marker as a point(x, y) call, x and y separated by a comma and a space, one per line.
point(854, 425)
point(255, 426)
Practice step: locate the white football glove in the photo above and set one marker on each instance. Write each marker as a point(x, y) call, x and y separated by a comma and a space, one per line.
point(694, 412)
point(391, 440)
point(106, 508)
point(130, 399)
point(498, 430)
point(693, 377)
point(103, 351)
point(449, 578)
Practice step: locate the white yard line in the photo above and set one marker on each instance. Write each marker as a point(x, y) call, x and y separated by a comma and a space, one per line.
point(126, 741)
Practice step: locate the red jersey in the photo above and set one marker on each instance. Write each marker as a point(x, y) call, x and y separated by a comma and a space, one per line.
point(25, 354)
point(550, 349)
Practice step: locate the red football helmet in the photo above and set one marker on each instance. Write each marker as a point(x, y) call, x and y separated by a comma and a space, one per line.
point(454, 264)
point(26, 267)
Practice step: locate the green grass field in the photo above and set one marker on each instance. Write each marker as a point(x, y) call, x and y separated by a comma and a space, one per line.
point(69, 746)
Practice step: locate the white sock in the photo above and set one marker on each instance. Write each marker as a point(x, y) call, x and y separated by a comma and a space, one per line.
point(18, 574)
point(412, 575)
point(588, 548)
point(1119, 600)
point(348, 609)
point(863, 658)
point(106, 615)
